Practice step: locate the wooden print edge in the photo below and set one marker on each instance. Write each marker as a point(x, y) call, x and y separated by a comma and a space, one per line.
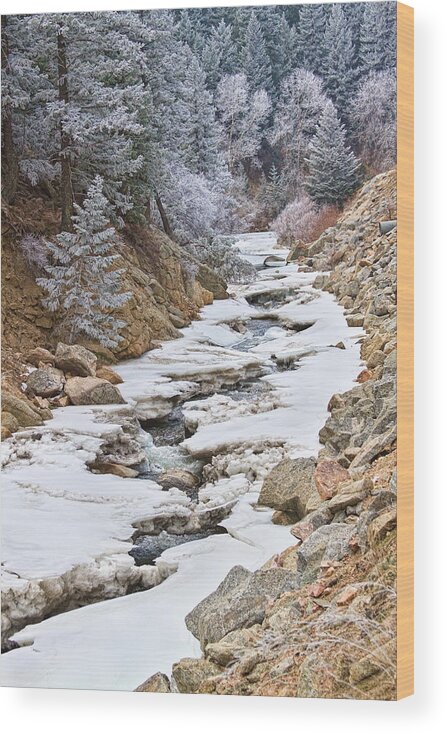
point(405, 351)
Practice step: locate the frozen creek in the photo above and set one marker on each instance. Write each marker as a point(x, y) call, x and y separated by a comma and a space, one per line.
point(67, 532)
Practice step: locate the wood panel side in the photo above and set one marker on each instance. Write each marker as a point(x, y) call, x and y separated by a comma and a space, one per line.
point(405, 351)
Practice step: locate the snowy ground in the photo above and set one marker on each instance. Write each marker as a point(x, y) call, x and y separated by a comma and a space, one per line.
point(67, 531)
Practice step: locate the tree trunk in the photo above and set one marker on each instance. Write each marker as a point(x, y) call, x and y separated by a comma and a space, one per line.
point(149, 210)
point(66, 192)
point(10, 167)
point(164, 217)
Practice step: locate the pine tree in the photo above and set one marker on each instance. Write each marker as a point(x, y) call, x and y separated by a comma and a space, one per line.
point(219, 55)
point(26, 126)
point(333, 168)
point(311, 29)
point(82, 282)
point(273, 197)
point(200, 134)
point(340, 74)
point(254, 58)
point(377, 38)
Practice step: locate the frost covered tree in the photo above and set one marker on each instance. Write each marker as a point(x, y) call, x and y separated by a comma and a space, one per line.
point(91, 106)
point(373, 115)
point(221, 254)
point(199, 131)
point(254, 58)
point(242, 115)
point(377, 38)
point(340, 73)
point(333, 167)
point(311, 29)
point(190, 203)
point(26, 126)
point(82, 281)
point(298, 112)
point(219, 56)
point(273, 195)
point(296, 221)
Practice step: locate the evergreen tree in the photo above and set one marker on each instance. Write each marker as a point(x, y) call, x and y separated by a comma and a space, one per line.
point(311, 29)
point(200, 133)
point(273, 196)
point(299, 109)
point(333, 168)
point(339, 67)
point(377, 37)
point(254, 58)
point(82, 282)
point(354, 13)
point(27, 120)
point(219, 55)
point(391, 36)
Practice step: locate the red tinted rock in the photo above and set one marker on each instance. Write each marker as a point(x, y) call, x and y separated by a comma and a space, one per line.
point(328, 476)
point(365, 375)
point(346, 596)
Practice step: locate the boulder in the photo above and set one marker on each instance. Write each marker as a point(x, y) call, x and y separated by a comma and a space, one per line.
point(38, 356)
point(302, 529)
point(239, 601)
point(354, 319)
point(76, 360)
point(211, 281)
point(328, 543)
point(364, 376)
point(119, 470)
point(106, 373)
point(184, 480)
point(231, 647)
point(189, 673)
point(9, 422)
point(5, 433)
point(46, 382)
point(289, 486)
point(328, 476)
point(381, 526)
point(282, 518)
point(22, 410)
point(92, 391)
point(376, 446)
point(350, 494)
point(157, 683)
point(61, 401)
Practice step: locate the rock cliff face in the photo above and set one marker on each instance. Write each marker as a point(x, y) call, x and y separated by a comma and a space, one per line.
point(332, 632)
point(168, 288)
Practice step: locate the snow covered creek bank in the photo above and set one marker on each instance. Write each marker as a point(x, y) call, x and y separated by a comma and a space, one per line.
point(253, 378)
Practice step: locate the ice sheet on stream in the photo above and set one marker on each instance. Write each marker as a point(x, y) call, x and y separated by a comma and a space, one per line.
point(67, 515)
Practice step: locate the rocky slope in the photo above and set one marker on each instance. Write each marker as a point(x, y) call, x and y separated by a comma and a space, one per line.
point(320, 618)
point(168, 288)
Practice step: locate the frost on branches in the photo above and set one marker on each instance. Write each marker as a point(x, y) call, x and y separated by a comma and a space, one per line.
point(373, 117)
point(82, 282)
point(333, 167)
point(296, 222)
point(220, 255)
